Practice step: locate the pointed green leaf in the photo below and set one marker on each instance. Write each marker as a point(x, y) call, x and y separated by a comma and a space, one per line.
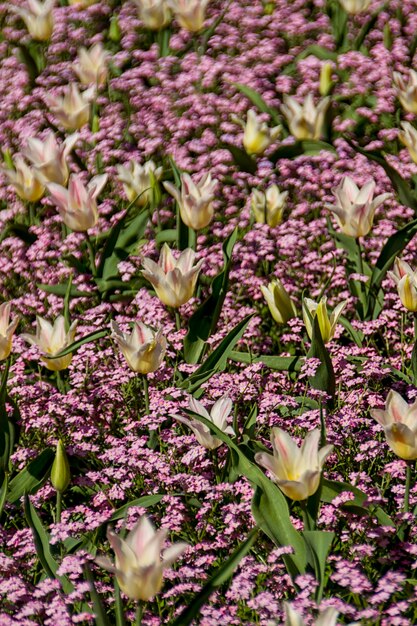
point(258, 101)
point(324, 378)
point(280, 363)
point(241, 158)
point(100, 614)
point(332, 488)
point(32, 477)
point(318, 543)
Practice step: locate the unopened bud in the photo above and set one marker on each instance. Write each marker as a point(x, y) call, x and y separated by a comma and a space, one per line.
point(326, 82)
point(60, 473)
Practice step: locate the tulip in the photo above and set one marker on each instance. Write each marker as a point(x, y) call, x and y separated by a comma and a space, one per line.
point(138, 566)
point(195, 200)
point(327, 617)
point(406, 280)
point(407, 91)
point(91, 67)
point(52, 339)
point(82, 4)
point(173, 279)
point(138, 180)
point(77, 204)
point(218, 415)
point(143, 349)
point(295, 470)
point(73, 109)
point(280, 304)
point(408, 136)
point(355, 208)
point(60, 472)
point(155, 14)
point(326, 82)
point(190, 14)
point(327, 325)
point(353, 7)
point(7, 329)
point(257, 135)
point(25, 180)
point(49, 158)
point(399, 421)
point(38, 18)
point(268, 208)
point(305, 121)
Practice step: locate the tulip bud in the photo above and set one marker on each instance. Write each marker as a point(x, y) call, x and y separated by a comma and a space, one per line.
point(257, 135)
point(305, 121)
point(60, 472)
point(115, 33)
point(327, 324)
point(281, 306)
point(326, 82)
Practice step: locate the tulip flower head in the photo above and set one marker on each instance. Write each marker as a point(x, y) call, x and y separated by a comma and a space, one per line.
point(257, 136)
point(281, 306)
point(327, 324)
point(52, 339)
point(7, 329)
point(138, 180)
point(408, 136)
point(72, 110)
point(406, 280)
point(399, 421)
point(218, 415)
point(25, 180)
point(305, 121)
point(353, 7)
point(174, 280)
point(327, 617)
point(190, 14)
point(138, 566)
point(49, 158)
point(268, 207)
point(143, 349)
point(355, 208)
point(60, 471)
point(91, 66)
point(155, 14)
point(407, 90)
point(77, 204)
point(295, 470)
point(37, 17)
point(195, 200)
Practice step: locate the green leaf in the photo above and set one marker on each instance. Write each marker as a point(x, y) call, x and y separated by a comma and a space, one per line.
point(280, 363)
point(357, 335)
point(3, 492)
point(241, 158)
point(318, 543)
point(61, 290)
point(414, 362)
point(258, 101)
point(100, 614)
point(32, 477)
point(324, 378)
point(318, 51)
point(332, 488)
point(306, 147)
point(144, 501)
point(97, 334)
point(169, 236)
point(7, 428)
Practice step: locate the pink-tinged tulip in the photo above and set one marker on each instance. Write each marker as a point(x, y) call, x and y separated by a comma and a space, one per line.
point(7, 329)
point(49, 158)
point(173, 279)
point(327, 617)
point(77, 204)
point(218, 415)
point(37, 17)
point(327, 324)
point(72, 110)
point(52, 339)
point(195, 200)
point(353, 7)
point(25, 180)
point(91, 66)
point(408, 136)
point(257, 135)
point(406, 280)
point(155, 14)
point(268, 207)
point(407, 90)
point(305, 121)
point(190, 14)
point(143, 349)
point(138, 566)
point(280, 304)
point(355, 208)
point(399, 421)
point(138, 180)
point(295, 470)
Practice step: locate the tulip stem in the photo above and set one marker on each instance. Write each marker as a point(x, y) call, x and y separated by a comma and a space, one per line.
point(58, 507)
point(139, 613)
point(306, 516)
point(408, 474)
point(358, 242)
point(177, 319)
point(323, 429)
point(145, 392)
point(91, 254)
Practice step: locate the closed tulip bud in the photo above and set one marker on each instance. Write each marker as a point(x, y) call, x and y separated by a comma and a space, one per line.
point(138, 180)
point(155, 14)
point(295, 470)
point(218, 415)
point(82, 4)
point(72, 110)
point(195, 200)
point(326, 82)
point(406, 280)
point(399, 421)
point(268, 207)
point(143, 349)
point(49, 158)
point(60, 472)
point(25, 180)
point(77, 204)
point(327, 324)
point(355, 208)
point(37, 17)
point(52, 339)
point(305, 121)
point(353, 7)
point(190, 14)
point(173, 279)
point(91, 66)
point(138, 566)
point(7, 329)
point(281, 306)
point(257, 136)
point(407, 91)
point(408, 136)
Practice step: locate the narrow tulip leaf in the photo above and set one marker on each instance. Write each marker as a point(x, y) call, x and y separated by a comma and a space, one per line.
point(414, 362)
point(357, 335)
point(332, 488)
point(94, 336)
point(66, 311)
point(306, 147)
point(61, 290)
point(221, 575)
point(280, 363)
point(100, 614)
point(144, 501)
point(32, 477)
point(366, 28)
point(258, 101)
point(7, 427)
point(318, 543)
point(3, 492)
point(185, 235)
point(318, 51)
point(168, 236)
point(118, 608)
point(241, 158)
point(324, 378)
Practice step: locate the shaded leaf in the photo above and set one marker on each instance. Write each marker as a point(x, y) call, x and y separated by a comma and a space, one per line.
point(332, 488)
point(32, 477)
point(241, 158)
point(280, 363)
point(258, 101)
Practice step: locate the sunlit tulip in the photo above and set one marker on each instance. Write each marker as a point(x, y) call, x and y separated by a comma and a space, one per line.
point(173, 279)
point(268, 207)
point(138, 566)
point(25, 180)
point(327, 324)
point(52, 339)
point(305, 121)
point(399, 421)
point(7, 329)
point(407, 90)
point(353, 7)
point(406, 280)
point(72, 109)
point(49, 158)
point(408, 136)
point(195, 200)
point(355, 208)
point(91, 66)
point(327, 617)
point(257, 135)
point(190, 14)
point(77, 204)
point(281, 306)
point(37, 17)
point(155, 14)
point(218, 415)
point(295, 470)
point(138, 180)
point(143, 349)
